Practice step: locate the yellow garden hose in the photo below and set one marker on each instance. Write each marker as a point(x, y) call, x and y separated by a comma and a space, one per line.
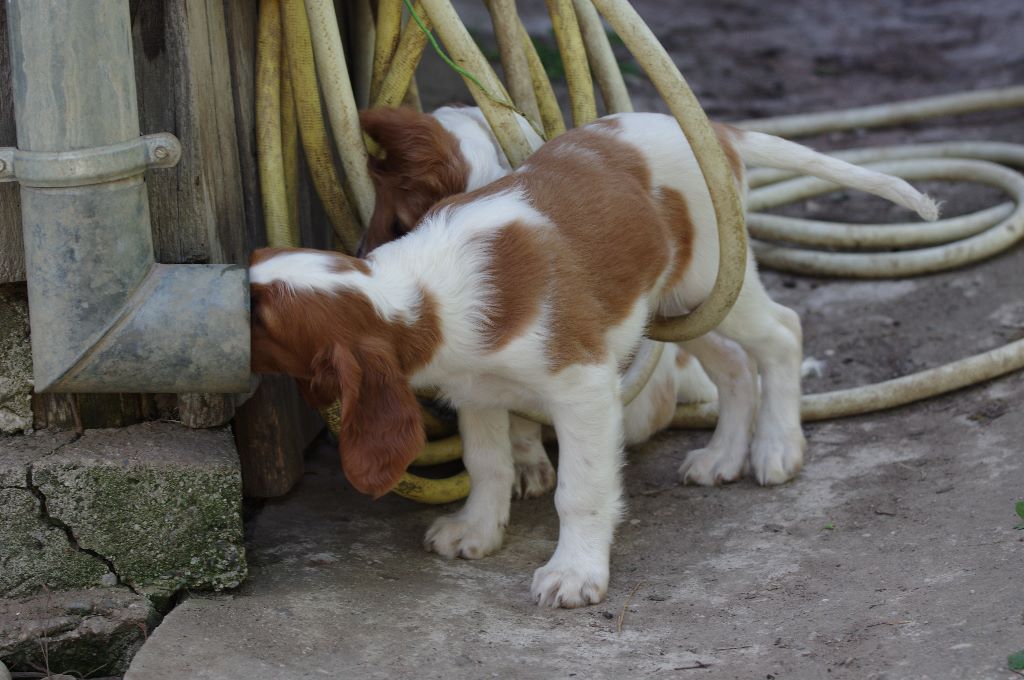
point(389, 29)
point(400, 67)
point(732, 234)
point(340, 100)
point(550, 112)
point(603, 64)
point(514, 63)
point(289, 151)
point(270, 158)
point(574, 60)
point(920, 248)
point(311, 125)
point(363, 33)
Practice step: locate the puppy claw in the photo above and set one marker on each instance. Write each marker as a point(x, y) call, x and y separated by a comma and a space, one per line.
point(568, 586)
point(459, 536)
point(711, 467)
point(777, 459)
point(533, 479)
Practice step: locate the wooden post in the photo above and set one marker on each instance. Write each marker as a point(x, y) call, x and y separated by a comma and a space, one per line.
point(12, 252)
point(274, 427)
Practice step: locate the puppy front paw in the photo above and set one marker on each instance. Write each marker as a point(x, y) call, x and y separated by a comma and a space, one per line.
point(458, 535)
point(569, 584)
point(710, 467)
point(533, 478)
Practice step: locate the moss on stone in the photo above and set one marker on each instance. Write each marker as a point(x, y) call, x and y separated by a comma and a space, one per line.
point(15, 361)
point(37, 554)
point(162, 503)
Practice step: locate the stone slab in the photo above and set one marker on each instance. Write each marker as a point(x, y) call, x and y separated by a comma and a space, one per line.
point(85, 632)
point(155, 506)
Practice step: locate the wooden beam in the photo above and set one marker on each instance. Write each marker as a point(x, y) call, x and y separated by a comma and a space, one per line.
point(272, 430)
point(274, 427)
point(12, 250)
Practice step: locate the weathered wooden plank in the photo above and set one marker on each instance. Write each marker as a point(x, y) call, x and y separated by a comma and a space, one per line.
point(12, 252)
point(87, 411)
point(272, 429)
point(241, 19)
point(197, 209)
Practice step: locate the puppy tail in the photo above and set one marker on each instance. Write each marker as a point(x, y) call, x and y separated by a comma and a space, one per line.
point(756, 148)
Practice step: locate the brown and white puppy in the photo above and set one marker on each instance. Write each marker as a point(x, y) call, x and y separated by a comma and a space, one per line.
point(531, 293)
point(430, 157)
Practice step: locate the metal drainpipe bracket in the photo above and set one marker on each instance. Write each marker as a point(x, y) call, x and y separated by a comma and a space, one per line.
point(89, 166)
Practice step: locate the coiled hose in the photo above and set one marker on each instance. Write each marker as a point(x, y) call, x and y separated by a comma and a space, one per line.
point(920, 248)
point(923, 248)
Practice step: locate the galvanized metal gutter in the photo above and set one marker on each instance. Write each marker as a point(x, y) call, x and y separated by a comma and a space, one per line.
point(104, 316)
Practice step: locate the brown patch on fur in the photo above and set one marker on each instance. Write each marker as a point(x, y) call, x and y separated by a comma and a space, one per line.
point(609, 246)
point(422, 165)
point(676, 213)
point(726, 133)
point(518, 275)
point(682, 358)
point(612, 247)
point(338, 346)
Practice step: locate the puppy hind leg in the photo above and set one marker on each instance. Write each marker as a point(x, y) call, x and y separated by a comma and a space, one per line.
point(771, 334)
point(728, 367)
point(693, 385)
point(534, 474)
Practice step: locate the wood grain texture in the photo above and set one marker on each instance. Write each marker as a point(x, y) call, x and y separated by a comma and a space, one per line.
point(272, 430)
point(197, 209)
point(274, 427)
point(12, 250)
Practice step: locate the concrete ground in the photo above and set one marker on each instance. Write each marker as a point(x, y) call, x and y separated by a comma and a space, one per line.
point(893, 555)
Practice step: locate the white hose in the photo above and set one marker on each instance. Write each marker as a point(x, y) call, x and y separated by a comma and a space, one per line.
point(922, 248)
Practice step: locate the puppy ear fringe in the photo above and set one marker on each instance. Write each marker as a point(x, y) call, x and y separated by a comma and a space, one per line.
point(381, 431)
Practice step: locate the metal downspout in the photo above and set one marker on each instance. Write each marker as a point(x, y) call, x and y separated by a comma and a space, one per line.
point(104, 316)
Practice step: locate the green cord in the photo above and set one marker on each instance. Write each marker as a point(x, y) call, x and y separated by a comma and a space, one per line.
point(463, 72)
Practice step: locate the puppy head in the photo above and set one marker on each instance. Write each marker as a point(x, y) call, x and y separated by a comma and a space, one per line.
point(422, 164)
point(338, 347)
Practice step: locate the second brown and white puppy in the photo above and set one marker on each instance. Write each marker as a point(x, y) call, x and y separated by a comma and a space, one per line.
point(430, 157)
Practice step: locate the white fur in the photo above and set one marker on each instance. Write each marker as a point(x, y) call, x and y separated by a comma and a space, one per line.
point(756, 148)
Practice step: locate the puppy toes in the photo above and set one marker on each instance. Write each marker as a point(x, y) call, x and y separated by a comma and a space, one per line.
point(533, 479)
point(569, 584)
point(711, 466)
point(458, 535)
point(777, 458)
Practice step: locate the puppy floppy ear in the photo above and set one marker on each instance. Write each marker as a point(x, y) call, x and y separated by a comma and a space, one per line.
point(422, 161)
point(381, 431)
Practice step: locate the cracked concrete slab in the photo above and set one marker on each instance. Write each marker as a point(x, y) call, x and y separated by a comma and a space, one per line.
point(35, 553)
point(158, 503)
point(155, 507)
